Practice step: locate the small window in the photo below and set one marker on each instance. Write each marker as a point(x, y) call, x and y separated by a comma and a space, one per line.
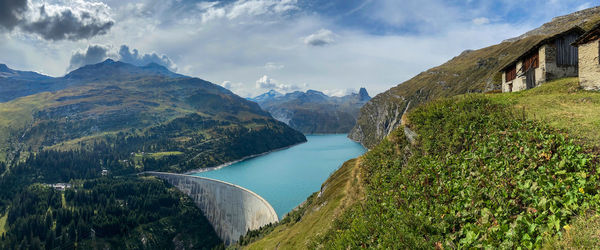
point(532, 61)
point(511, 74)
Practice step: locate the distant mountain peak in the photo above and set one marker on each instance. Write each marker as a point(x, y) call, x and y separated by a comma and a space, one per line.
point(363, 95)
point(118, 70)
point(108, 61)
point(315, 92)
point(271, 94)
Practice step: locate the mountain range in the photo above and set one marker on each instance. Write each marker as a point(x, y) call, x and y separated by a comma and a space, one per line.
point(313, 112)
point(137, 109)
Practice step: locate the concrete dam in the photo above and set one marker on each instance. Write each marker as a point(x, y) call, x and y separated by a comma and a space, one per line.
point(232, 210)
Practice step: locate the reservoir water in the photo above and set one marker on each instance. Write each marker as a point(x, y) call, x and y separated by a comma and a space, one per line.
point(287, 177)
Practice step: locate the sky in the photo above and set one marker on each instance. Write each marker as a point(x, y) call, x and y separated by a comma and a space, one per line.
point(252, 46)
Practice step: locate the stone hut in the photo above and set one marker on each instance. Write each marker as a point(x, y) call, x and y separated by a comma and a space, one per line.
point(589, 59)
point(552, 58)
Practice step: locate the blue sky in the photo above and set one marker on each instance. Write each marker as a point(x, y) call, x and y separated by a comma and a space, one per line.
point(251, 46)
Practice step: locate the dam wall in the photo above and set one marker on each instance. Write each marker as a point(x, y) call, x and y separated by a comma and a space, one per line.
point(232, 210)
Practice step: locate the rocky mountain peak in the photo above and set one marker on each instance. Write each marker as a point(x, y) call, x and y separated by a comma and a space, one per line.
point(4, 68)
point(363, 95)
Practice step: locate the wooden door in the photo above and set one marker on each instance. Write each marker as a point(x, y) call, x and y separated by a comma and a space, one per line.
point(530, 78)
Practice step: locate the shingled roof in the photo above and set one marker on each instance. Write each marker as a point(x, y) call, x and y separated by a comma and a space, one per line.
point(546, 40)
point(591, 35)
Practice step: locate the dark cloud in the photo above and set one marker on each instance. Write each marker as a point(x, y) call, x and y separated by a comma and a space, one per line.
point(92, 55)
point(67, 24)
point(98, 53)
point(82, 20)
point(11, 12)
point(135, 58)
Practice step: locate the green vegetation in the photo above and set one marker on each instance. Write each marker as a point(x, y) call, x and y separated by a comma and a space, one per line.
point(479, 176)
point(106, 213)
point(3, 223)
point(563, 105)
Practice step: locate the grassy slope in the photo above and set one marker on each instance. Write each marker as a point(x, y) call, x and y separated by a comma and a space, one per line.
point(559, 103)
point(562, 105)
point(3, 223)
point(340, 191)
point(16, 115)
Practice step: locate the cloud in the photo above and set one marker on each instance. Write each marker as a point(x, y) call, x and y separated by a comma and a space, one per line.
point(267, 83)
point(11, 11)
point(92, 55)
point(76, 20)
point(273, 66)
point(339, 92)
point(226, 84)
point(320, 38)
point(97, 53)
point(135, 58)
point(245, 8)
point(481, 21)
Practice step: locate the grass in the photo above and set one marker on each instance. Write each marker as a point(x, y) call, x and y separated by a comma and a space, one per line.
point(583, 233)
point(560, 104)
point(15, 115)
point(163, 154)
point(3, 222)
point(341, 191)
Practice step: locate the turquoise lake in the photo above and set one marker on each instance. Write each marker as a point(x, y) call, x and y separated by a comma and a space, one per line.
point(287, 177)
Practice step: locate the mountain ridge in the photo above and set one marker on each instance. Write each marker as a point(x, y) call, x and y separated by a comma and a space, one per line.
point(313, 111)
point(110, 102)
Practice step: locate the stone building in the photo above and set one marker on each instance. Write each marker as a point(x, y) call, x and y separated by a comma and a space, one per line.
point(589, 59)
point(549, 59)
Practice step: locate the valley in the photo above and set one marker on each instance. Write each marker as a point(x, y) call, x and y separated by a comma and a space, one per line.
point(110, 138)
point(314, 112)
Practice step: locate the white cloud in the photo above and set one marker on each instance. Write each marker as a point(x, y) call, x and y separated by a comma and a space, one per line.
point(320, 38)
point(273, 66)
point(339, 92)
point(226, 84)
point(267, 83)
point(245, 8)
point(481, 21)
point(141, 59)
